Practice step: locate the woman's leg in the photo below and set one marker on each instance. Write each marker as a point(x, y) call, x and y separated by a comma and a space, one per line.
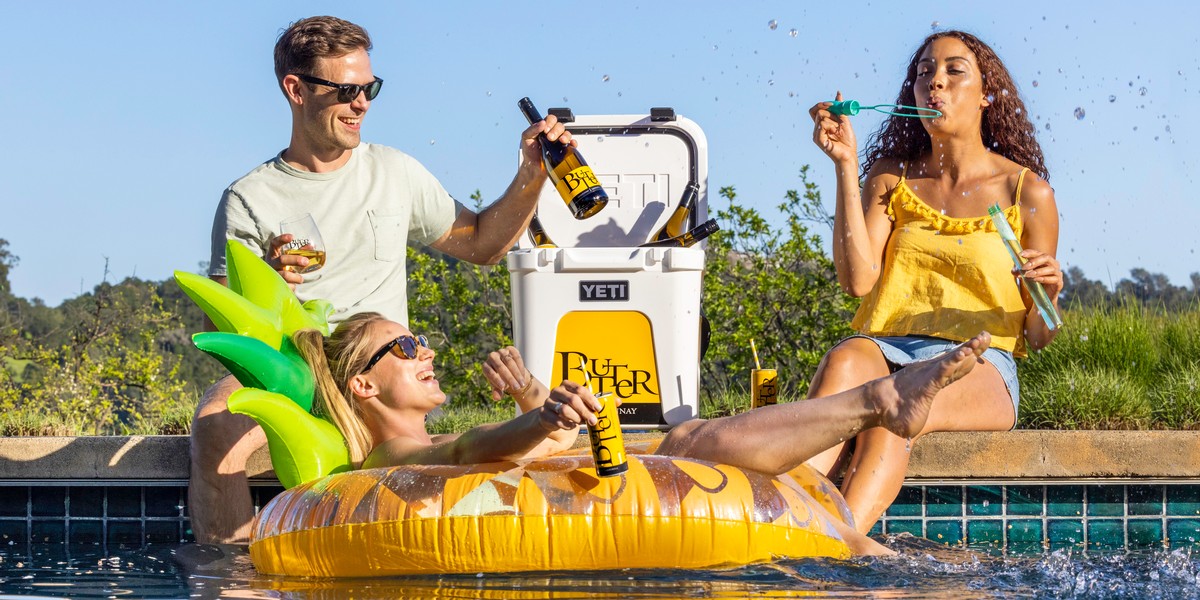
point(777, 439)
point(977, 402)
point(846, 366)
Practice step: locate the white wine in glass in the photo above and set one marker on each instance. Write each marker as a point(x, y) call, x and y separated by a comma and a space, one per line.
point(306, 241)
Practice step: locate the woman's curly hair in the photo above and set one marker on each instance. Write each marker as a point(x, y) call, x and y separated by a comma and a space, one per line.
point(1006, 127)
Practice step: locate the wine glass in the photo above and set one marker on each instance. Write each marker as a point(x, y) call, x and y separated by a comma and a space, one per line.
point(306, 241)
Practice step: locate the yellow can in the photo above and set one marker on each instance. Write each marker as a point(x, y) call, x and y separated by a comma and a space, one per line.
point(608, 447)
point(763, 390)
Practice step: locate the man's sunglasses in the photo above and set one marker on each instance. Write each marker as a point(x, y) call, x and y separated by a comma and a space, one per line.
point(404, 347)
point(347, 92)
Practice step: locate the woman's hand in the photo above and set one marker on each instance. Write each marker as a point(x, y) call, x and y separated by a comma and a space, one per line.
point(833, 133)
point(1044, 269)
point(506, 373)
point(570, 406)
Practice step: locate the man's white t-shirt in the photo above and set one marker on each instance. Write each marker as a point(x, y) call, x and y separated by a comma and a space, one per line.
point(366, 212)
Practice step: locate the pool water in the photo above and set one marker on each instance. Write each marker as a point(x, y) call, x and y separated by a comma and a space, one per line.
point(922, 570)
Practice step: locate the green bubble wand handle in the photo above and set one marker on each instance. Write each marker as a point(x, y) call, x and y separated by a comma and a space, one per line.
point(852, 107)
point(1040, 299)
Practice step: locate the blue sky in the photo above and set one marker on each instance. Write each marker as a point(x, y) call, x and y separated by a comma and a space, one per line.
point(124, 121)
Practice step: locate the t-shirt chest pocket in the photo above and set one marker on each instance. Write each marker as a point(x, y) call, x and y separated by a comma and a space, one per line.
point(390, 235)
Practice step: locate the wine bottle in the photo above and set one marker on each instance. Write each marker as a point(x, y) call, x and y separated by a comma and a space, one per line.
point(700, 232)
point(571, 175)
point(537, 234)
point(676, 225)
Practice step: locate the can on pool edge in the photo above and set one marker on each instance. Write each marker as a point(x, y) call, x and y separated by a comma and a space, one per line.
point(608, 446)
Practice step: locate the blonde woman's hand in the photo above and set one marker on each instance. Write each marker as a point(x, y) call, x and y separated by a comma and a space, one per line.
point(570, 406)
point(833, 134)
point(506, 373)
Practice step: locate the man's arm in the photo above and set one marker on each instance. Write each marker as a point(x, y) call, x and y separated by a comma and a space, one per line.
point(484, 238)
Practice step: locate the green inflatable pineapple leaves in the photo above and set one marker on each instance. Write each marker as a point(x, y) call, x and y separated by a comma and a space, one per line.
point(256, 316)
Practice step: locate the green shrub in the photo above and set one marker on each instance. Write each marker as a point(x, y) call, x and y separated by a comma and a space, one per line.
point(1175, 401)
point(1091, 398)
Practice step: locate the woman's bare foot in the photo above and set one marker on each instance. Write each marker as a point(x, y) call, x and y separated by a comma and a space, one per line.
point(904, 399)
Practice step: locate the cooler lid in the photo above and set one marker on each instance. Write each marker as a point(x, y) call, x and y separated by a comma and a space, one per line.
point(644, 163)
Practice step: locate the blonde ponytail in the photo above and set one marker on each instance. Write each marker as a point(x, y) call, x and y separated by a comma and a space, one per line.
point(334, 360)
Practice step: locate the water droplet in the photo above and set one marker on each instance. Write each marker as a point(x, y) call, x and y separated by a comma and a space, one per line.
point(986, 503)
point(489, 93)
point(565, 99)
point(908, 444)
point(1035, 83)
point(1019, 111)
point(1079, 113)
point(1112, 98)
point(793, 33)
point(1142, 91)
point(1004, 92)
point(599, 138)
point(770, 82)
point(1047, 125)
point(772, 24)
point(1083, 337)
point(604, 79)
point(934, 25)
point(959, 241)
point(991, 98)
point(432, 142)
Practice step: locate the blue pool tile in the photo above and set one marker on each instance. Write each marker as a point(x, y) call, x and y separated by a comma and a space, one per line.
point(944, 532)
point(1183, 533)
point(124, 502)
point(1025, 500)
point(1183, 500)
point(13, 531)
point(913, 526)
point(944, 501)
point(1024, 535)
point(14, 502)
point(985, 532)
point(907, 503)
point(86, 501)
point(876, 529)
point(48, 532)
point(163, 501)
point(86, 532)
point(986, 500)
point(1106, 534)
point(1064, 533)
point(1144, 533)
point(1064, 501)
point(1105, 500)
point(48, 501)
point(1145, 500)
point(162, 532)
point(127, 533)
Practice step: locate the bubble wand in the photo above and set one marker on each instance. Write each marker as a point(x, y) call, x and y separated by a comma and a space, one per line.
point(757, 365)
point(1040, 299)
point(852, 107)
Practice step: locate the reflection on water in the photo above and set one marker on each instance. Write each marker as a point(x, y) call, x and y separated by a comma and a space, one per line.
point(922, 569)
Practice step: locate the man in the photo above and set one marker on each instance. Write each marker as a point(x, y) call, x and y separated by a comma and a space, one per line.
point(367, 200)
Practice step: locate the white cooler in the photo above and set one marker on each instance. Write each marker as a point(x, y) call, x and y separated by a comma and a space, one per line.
point(629, 316)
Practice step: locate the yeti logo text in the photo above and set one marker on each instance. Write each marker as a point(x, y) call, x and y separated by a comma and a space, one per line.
point(604, 291)
point(606, 376)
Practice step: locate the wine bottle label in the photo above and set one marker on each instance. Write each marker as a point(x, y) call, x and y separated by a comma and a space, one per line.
point(572, 182)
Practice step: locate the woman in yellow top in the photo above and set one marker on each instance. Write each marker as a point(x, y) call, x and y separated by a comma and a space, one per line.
point(917, 243)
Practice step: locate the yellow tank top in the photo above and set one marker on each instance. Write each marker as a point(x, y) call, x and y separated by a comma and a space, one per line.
point(945, 277)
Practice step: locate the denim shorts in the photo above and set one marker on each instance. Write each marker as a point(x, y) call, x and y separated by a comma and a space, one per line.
point(904, 350)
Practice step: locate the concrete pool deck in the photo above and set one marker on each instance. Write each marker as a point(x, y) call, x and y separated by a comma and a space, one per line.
point(1011, 456)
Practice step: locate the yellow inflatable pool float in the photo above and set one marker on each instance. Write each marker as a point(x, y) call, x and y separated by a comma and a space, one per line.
point(539, 515)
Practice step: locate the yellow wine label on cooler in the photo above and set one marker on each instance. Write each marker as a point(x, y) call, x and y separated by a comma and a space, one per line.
point(575, 181)
point(617, 348)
